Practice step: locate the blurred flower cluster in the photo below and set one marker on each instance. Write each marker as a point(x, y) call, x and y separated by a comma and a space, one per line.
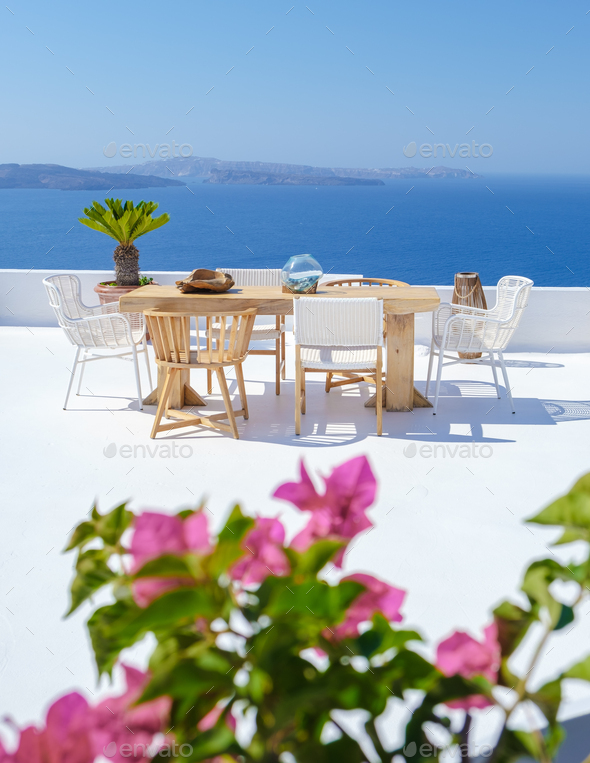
point(257, 647)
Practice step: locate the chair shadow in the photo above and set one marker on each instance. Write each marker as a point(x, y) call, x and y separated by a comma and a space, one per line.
point(514, 363)
point(340, 418)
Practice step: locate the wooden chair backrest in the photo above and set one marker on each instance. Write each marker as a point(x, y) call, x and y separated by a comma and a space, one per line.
point(365, 282)
point(170, 333)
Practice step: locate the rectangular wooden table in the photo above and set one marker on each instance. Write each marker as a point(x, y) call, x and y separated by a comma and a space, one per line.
point(400, 303)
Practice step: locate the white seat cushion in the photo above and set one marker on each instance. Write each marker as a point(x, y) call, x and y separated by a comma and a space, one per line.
point(339, 358)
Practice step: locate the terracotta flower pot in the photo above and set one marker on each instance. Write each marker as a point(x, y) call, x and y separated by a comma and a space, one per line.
point(110, 292)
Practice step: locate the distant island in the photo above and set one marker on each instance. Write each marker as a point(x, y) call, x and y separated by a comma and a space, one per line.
point(69, 179)
point(236, 177)
point(195, 166)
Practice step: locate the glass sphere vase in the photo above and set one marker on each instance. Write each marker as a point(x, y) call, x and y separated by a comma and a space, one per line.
point(301, 274)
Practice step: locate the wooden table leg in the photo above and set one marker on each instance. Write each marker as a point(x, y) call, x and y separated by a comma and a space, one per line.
point(399, 394)
point(182, 392)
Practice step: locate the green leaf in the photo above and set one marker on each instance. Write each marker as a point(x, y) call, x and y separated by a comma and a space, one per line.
point(315, 558)
point(92, 572)
point(208, 745)
point(409, 670)
point(580, 670)
point(82, 534)
point(260, 683)
point(343, 750)
point(548, 699)
point(186, 681)
point(311, 599)
point(167, 610)
point(565, 618)
point(106, 644)
point(109, 527)
point(236, 526)
point(122, 624)
point(123, 222)
point(381, 638)
point(164, 567)
point(571, 511)
point(513, 623)
point(537, 580)
point(554, 736)
point(228, 549)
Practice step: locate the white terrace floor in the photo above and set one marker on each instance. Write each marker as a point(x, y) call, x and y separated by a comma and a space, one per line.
point(449, 529)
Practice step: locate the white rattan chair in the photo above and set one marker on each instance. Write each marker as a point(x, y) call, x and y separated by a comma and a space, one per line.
point(100, 328)
point(262, 331)
point(338, 335)
point(462, 329)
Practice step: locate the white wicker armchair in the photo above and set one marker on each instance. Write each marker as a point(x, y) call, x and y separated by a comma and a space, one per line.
point(462, 329)
point(338, 335)
point(262, 331)
point(101, 328)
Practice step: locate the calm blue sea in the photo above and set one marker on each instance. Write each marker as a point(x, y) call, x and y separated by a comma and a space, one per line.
point(420, 231)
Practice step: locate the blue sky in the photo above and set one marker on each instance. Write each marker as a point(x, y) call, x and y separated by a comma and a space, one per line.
point(332, 84)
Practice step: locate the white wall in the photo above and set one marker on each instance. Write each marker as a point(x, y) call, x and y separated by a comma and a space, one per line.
point(556, 320)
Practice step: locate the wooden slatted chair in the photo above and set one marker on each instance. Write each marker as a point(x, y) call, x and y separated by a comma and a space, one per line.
point(262, 332)
point(170, 334)
point(338, 335)
point(349, 378)
point(365, 282)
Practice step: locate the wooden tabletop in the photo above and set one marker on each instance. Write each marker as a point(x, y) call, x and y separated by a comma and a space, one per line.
point(270, 300)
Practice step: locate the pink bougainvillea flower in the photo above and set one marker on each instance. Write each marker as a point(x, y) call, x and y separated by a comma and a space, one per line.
point(379, 597)
point(264, 555)
point(115, 722)
point(65, 738)
point(208, 721)
point(340, 512)
point(5, 757)
point(460, 654)
point(161, 535)
point(77, 733)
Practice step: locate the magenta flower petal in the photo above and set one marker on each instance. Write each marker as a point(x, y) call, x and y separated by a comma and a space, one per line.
point(116, 719)
point(156, 535)
point(146, 590)
point(351, 489)
point(379, 597)
point(208, 721)
point(30, 748)
point(196, 533)
point(161, 534)
point(463, 655)
point(303, 494)
point(460, 654)
point(263, 553)
point(473, 701)
point(340, 512)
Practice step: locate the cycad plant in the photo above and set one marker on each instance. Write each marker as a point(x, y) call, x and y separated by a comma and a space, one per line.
point(124, 222)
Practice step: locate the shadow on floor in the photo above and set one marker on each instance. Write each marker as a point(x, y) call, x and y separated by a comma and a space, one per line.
point(340, 418)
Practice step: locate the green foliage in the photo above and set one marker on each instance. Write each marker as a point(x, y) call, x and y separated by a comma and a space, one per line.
point(571, 512)
point(123, 221)
point(203, 660)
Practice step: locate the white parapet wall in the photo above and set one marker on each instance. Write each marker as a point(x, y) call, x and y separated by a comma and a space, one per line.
point(556, 320)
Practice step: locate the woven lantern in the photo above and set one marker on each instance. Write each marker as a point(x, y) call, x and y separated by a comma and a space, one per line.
point(469, 291)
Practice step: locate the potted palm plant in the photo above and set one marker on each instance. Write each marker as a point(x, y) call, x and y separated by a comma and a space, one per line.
point(123, 222)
